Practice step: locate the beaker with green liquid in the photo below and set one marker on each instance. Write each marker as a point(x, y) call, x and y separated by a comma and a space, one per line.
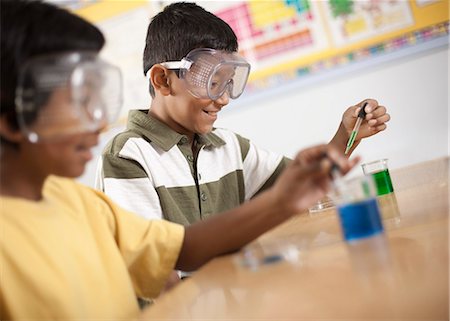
point(380, 172)
point(385, 190)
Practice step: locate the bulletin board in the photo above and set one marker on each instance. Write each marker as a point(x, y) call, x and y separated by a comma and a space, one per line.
point(289, 40)
point(292, 39)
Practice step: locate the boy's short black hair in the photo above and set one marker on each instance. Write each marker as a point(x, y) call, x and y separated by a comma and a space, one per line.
point(33, 28)
point(181, 27)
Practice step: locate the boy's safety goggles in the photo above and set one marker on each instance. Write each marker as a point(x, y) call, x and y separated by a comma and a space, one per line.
point(65, 94)
point(209, 73)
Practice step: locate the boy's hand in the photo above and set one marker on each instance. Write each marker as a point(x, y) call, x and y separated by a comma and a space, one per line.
point(307, 178)
point(375, 121)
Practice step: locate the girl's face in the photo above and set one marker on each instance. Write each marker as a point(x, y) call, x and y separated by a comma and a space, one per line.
point(63, 102)
point(62, 117)
point(65, 142)
point(66, 157)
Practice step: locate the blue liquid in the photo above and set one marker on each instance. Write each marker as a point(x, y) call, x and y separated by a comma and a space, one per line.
point(359, 220)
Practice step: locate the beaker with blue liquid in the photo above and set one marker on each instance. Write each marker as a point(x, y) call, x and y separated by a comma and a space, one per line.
point(357, 208)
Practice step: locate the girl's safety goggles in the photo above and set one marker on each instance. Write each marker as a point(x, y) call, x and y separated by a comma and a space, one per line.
point(65, 94)
point(209, 73)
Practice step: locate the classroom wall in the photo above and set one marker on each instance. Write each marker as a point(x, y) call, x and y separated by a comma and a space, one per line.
point(414, 89)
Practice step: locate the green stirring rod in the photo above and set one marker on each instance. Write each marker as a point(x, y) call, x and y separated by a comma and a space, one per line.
point(361, 115)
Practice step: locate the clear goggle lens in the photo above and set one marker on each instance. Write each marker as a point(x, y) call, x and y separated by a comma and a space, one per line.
point(67, 94)
point(209, 73)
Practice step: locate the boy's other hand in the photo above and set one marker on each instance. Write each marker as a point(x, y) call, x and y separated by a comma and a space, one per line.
point(307, 178)
point(374, 122)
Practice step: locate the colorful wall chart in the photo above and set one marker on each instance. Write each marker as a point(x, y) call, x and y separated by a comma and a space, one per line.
point(287, 40)
point(290, 39)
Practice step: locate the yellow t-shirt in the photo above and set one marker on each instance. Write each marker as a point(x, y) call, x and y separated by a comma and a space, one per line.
point(76, 256)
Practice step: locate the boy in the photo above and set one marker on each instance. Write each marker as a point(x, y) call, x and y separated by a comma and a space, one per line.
point(171, 163)
point(67, 251)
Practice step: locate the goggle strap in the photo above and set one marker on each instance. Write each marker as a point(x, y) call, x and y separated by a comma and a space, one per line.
point(183, 64)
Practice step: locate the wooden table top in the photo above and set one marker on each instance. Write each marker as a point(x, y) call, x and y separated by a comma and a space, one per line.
point(402, 275)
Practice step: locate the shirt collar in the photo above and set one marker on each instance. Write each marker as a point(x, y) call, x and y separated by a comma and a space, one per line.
point(161, 134)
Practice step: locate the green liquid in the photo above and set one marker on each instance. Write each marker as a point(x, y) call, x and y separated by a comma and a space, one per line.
point(383, 182)
point(350, 141)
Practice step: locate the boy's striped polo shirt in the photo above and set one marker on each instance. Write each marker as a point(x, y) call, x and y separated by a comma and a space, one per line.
point(151, 170)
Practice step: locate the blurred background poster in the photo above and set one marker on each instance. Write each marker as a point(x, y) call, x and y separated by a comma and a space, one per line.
point(285, 40)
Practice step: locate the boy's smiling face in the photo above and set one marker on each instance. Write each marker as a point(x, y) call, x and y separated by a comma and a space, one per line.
point(187, 114)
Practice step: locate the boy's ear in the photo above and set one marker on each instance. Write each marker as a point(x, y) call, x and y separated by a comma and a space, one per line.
point(12, 135)
point(159, 77)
